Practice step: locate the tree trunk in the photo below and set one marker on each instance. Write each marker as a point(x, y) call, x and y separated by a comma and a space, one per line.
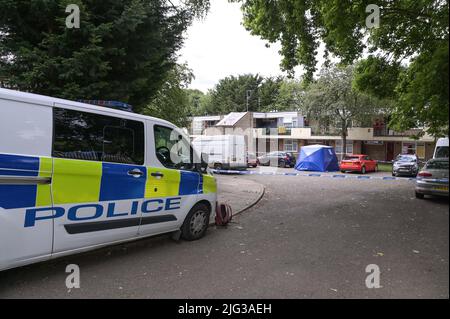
point(344, 139)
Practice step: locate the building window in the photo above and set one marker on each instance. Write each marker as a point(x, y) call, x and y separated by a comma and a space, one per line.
point(349, 147)
point(417, 148)
point(290, 146)
point(409, 148)
point(420, 150)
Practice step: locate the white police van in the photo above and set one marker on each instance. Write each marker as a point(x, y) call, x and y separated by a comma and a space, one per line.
point(75, 177)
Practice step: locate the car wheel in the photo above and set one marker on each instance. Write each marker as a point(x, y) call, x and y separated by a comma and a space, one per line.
point(218, 166)
point(282, 163)
point(363, 170)
point(196, 223)
point(420, 196)
point(342, 172)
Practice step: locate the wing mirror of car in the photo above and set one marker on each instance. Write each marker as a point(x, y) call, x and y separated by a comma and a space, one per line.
point(202, 167)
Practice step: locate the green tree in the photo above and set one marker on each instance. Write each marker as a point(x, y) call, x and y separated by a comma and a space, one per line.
point(230, 94)
point(268, 93)
point(198, 102)
point(171, 101)
point(409, 30)
point(123, 49)
point(331, 100)
point(290, 96)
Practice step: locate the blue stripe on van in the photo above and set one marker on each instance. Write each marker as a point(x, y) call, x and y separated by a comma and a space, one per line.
point(15, 165)
point(116, 184)
point(189, 183)
point(17, 196)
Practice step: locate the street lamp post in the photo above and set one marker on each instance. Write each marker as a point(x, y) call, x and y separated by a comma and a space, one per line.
point(249, 93)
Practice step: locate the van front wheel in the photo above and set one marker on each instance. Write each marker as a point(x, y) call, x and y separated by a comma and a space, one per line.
point(196, 223)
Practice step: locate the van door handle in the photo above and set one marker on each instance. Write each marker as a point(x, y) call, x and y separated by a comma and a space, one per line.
point(135, 173)
point(157, 174)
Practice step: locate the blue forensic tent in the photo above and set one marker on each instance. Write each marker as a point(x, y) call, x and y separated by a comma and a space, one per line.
point(317, 158)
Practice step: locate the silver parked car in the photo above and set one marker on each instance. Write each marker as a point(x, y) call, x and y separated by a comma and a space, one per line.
point(405, 165)
point(433, 178)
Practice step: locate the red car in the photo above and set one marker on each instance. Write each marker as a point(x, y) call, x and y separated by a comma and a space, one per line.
point(358, 163)
point(252, 161)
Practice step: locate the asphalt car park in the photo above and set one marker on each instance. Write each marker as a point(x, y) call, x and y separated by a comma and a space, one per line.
point(308, 237)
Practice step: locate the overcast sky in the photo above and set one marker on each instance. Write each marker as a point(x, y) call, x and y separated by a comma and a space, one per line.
point(219, 46)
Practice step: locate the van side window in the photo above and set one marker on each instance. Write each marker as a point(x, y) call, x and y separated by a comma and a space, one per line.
point(95, 137)
point(172, 150)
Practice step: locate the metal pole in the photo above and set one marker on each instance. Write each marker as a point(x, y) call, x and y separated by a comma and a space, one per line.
point(249, 92)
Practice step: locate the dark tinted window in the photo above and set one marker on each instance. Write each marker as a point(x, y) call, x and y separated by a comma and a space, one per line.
point(95, 137)
point(441, 152)
point(437, 165)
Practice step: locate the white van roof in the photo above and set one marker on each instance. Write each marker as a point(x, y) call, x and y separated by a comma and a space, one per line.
point(442, 141)
point(13, 95)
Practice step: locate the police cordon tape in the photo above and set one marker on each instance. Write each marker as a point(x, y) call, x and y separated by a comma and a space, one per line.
point(341, 176)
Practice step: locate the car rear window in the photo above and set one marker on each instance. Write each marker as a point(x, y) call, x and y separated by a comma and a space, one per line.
point(437, 165)
point(351, 158)
point(405, 158)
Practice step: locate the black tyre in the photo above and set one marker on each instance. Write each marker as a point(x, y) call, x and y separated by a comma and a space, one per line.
point(420, 196)
point(196, 223)
point(218, 166)
point(281, 163)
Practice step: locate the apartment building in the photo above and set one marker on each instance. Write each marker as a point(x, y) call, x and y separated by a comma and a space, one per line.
point(289, 131)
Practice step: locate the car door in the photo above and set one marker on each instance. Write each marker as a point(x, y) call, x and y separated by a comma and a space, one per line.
point(273, 158)
point(172, 187)
point(99, 178)
point(370, 164)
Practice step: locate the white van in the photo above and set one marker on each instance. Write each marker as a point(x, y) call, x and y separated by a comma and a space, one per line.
point(75, 177)
point(441, 150)
point(223, 151)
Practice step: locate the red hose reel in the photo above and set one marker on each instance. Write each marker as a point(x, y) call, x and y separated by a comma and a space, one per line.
point(224, 214)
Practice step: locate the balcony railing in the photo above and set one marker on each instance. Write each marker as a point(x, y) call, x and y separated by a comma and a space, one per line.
point(276, 130)
point(383, 131)
point(324, 132)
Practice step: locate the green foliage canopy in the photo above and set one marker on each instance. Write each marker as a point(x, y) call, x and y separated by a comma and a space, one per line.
point(409, 30)
point(123, 49)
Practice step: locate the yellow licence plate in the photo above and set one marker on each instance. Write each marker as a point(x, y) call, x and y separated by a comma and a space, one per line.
point(441, 188)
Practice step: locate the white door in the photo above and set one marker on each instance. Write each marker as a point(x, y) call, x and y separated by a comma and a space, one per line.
point(25, 175)
point(172, 186)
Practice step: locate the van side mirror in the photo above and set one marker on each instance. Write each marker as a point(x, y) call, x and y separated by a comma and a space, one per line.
point(205, 158)
point(202, 167)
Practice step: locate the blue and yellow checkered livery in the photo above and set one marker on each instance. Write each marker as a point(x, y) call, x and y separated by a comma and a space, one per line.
point(78, 181)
